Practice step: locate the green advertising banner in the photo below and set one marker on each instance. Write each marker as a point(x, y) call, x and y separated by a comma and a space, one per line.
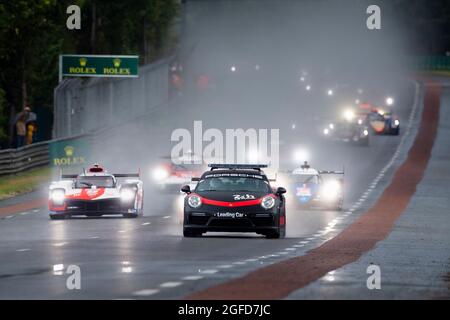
point(98, 66)
point(70, 153)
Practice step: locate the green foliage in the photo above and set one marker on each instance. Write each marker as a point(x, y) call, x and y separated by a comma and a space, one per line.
point(33, 33)
point(3, 118)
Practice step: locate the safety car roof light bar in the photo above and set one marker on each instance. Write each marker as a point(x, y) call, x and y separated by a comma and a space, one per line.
point(257, 167)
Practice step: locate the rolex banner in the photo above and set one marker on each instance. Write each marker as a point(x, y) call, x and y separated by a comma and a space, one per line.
point(72, 152)
point(98, 66)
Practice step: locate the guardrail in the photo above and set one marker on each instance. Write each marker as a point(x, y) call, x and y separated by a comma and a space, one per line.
point(17, 160)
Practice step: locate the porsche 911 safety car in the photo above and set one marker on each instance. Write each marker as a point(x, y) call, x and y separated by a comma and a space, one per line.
point(234, 198)
point(348, 129)
point(95, 192)
point(312, 189)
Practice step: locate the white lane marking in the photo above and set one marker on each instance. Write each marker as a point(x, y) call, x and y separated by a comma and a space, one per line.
point(24, 213)
point(298, 246)
point(166, 217)
point(170, 284)
point(121, 231)
point(146, 223)
point(239, 263)
point(23, 250)
point(251, 260)
point(304, 242)
point(59, 244)
point(192, 278)
point(310, 238)
point(225, 266)
point(208, 271)
point(36, 210)
point(94, 237)
point(9, 217)
point(145, 292)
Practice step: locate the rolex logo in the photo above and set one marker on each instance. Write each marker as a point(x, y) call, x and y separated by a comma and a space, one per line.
point(69, 151)
point(83, 62)
point(117, 62)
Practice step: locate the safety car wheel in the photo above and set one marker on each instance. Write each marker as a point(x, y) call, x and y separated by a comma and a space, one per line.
point(189, 233)
point(57, 216)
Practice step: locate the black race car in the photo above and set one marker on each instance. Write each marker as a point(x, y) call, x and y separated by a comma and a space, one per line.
point(349, 129)
point(234, 198)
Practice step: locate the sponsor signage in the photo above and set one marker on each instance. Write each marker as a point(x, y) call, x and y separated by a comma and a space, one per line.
point(69, 153)
point(98, 66)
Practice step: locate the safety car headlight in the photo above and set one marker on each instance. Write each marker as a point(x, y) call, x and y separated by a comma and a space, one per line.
point(160, 174)
point(57, 196)
point(127, 195)
point(366, 132)
point(331, 190)
point(194, 201)
point(396, 122)
point(268, 202)
point(331, 126)
point(326, 131)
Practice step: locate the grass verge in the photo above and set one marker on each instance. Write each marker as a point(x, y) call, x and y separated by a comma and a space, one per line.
point(13, 185)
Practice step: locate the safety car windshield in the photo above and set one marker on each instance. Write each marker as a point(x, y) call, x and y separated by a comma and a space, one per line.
point(233, 184)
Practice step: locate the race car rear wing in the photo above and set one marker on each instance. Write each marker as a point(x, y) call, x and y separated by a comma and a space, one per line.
point(332, 172)
point(117, 175)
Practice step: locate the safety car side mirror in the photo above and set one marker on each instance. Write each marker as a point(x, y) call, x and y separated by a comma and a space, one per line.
point(281, 190)
point(186, 189)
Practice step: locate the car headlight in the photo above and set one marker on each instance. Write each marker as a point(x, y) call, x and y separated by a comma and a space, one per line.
point(331, 190)
point(127, 195)
point(349, 115)
point(268, 202)
point(160, 174)
point(326, 131)
point(396, 123)
point(57, 196)
point(366, 132)
point(331, 126)
point(360, 122)
point(194, 201)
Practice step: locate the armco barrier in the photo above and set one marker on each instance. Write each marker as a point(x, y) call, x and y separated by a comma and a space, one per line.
point(24, 158)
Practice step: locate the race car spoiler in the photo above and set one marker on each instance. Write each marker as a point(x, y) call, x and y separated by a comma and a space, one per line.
point(117, 175)
point(332, 172)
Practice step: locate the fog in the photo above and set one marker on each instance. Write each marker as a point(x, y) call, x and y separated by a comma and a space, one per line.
point(271, 45)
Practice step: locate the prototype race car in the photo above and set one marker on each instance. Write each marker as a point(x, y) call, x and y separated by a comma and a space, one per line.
point(348, 129)
point(313, 190)
point(95, 193)
point(234, 198)
point(170, 177)
point(383, 122)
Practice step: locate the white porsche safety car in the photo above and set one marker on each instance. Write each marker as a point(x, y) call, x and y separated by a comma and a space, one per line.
point(95, 192)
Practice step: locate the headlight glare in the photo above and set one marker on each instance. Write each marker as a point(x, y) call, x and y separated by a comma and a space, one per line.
point(127, 195)
point(268, 202)
point(331, 190)
point(194, 201)
point(57, 196)
point(160, 173)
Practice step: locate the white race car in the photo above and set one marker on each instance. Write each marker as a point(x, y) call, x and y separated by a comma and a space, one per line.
point(311, 188)
point(95, 193)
